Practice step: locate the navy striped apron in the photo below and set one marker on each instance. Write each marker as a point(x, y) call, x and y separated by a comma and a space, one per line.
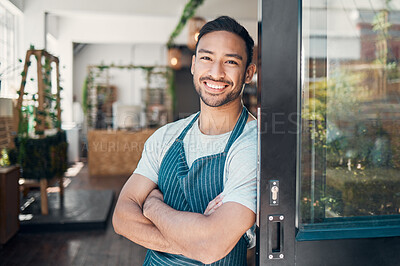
point(191, 189)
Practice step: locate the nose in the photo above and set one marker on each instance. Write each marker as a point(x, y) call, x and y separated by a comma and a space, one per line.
point(217, 70)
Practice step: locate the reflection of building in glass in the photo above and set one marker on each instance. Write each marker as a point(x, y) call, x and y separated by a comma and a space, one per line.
point(350, 109)
point(369, 36)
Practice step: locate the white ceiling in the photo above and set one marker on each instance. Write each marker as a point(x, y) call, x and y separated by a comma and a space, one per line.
point(239, 9)
point(150, 13)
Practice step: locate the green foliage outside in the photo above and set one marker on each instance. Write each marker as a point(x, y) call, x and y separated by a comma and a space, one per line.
point(344, 139)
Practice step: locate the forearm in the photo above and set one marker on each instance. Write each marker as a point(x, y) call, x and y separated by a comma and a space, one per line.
point(128, 221)
point(192, 233)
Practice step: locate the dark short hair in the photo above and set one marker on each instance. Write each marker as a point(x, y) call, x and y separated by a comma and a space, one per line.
point(225, 23)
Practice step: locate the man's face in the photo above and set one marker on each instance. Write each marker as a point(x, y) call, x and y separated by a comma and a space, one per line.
point(219, 68)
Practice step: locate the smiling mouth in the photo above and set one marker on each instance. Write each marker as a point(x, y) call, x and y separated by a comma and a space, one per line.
point(218, 87)
point(215, 87)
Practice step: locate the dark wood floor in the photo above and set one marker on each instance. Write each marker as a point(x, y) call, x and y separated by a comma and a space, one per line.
point(95, 247)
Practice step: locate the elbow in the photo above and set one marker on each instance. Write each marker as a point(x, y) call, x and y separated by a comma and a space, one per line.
point(216, 255)
point(209, 247)
point(116, 222)
point(210, 252)
point(211, 258)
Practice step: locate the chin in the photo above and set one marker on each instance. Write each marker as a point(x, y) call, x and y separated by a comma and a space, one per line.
point(216, 102)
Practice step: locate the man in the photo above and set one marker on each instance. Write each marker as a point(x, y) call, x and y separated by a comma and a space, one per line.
point(193, 195)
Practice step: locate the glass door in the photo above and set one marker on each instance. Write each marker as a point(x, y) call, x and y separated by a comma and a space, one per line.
point(329, 133)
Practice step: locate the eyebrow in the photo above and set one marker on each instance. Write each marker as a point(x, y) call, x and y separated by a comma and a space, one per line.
point(237, 56)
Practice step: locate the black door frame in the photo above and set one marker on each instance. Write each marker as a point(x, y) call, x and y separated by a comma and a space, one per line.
point(279, 44)
point(279, 124)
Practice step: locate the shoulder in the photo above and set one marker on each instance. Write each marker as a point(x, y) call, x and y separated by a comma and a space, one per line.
point(248, 136)
point(241, 169)
point(245, 146)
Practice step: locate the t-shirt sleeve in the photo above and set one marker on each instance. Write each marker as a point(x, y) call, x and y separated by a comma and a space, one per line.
point(149, 163)
point(241, 179)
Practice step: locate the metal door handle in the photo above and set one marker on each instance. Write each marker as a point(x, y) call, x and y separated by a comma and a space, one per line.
point(275, 236)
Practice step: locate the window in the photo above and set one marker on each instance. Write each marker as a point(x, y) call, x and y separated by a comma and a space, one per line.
point(10, 67)
point(350, 152)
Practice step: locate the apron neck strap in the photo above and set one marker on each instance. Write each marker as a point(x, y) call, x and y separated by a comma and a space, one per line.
point(183, 133)
point(237, 130)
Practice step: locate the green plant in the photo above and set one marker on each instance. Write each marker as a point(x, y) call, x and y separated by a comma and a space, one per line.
point(188, 12)
point(30, 112)
point(170, 75)
point(4, 160)
point(42, 158)
point(85, 94)
point(339, 137)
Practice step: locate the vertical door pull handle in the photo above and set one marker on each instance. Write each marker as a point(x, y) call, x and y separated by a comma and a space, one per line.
point(275, 236)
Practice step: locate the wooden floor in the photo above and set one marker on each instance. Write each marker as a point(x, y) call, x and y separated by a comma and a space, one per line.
point(95, 247)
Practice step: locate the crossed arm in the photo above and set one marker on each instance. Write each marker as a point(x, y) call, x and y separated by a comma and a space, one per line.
point(141, 216)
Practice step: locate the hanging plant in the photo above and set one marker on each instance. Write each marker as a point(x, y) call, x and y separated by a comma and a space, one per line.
point(187, 13)
point(171, 87)
point(85, 95)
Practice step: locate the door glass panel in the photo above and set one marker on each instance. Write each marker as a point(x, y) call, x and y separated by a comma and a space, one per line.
point(350, 141)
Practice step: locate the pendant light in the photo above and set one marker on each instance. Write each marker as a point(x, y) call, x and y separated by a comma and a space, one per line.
point(194, 26)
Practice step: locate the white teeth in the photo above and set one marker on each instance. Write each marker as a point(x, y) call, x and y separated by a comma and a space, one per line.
point(214, 86)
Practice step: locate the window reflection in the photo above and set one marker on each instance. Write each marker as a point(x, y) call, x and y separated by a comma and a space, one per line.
point(350, 155)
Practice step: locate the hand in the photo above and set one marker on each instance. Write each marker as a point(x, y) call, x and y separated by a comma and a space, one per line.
point(155, 195)
point(213, 205)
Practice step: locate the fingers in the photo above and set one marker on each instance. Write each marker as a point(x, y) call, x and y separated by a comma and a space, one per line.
point(211, 210)
point(213, 205)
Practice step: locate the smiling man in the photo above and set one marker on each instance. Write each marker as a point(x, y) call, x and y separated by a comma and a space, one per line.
point(192, 197)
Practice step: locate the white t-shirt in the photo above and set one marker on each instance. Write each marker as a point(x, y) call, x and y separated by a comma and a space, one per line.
point(240, 181)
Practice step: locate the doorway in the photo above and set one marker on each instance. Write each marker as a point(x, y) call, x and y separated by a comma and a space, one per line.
point(329, 142)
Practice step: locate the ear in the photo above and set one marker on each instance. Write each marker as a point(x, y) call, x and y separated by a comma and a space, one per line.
point(193, 63)
point(251, 69)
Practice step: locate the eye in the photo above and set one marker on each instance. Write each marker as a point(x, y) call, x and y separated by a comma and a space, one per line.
point(205, 58)
point(231, 62)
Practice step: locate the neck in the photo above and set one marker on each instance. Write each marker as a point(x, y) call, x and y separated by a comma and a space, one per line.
point(219, 120)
